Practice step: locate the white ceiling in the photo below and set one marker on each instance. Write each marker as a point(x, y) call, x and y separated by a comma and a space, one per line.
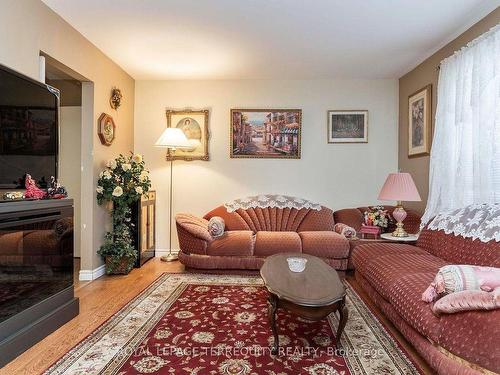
point(270, 39)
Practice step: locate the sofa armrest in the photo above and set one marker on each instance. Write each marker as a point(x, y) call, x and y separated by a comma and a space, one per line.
point(197, 227)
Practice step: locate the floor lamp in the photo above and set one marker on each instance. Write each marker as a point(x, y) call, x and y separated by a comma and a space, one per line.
point(171, 139)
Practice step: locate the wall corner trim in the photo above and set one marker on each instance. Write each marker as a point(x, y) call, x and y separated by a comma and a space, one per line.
point(89, 275)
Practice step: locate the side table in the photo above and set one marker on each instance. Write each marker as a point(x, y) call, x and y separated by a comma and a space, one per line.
point(412, 238)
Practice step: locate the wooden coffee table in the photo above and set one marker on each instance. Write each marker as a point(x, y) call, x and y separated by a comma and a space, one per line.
point(312, 294)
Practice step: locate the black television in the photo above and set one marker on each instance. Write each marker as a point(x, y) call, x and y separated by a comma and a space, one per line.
point(29, 133)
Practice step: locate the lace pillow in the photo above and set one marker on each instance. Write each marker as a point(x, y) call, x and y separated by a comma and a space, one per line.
point(216, 226)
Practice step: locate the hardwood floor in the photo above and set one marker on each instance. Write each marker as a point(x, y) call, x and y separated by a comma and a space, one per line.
point(99, 300)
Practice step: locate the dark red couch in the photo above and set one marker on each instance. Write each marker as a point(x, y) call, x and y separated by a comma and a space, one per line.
point(395, 275)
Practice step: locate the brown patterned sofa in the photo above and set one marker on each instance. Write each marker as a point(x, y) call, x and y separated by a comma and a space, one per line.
point(354, 217)
point(253, 234)
point(395, 275)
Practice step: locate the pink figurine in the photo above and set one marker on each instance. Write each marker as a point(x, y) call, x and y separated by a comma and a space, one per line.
point(33, 191)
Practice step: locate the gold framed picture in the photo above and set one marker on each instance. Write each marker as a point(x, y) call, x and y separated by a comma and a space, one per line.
point(266, 133)
point(194, 124)
point(420, 122)
point(348, 126)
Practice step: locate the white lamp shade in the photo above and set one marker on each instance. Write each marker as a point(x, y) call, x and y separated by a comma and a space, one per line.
point(172, 138)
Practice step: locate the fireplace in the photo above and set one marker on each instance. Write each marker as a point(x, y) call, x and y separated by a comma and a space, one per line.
point(36, 271)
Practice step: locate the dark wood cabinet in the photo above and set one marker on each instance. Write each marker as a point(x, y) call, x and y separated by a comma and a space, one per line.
point(143, 217)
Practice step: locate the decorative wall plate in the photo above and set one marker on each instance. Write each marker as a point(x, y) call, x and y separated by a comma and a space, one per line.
point(116, 98)
point(106, 129)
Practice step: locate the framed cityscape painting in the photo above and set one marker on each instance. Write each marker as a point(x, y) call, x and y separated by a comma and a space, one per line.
point(266, 133)
point(347, 126)
point(419, 122)
point(194, 124)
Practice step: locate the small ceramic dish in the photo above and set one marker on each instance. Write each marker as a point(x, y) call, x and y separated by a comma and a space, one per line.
point(296, 264)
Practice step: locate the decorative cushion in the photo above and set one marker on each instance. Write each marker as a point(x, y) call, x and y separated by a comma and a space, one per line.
point(216, 226)
point(467, 300)
point(325, 244)
point(269, 243)
point(345, 230)
point(456, 278)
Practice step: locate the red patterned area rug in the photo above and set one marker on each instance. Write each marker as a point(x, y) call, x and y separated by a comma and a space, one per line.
point(206, 324)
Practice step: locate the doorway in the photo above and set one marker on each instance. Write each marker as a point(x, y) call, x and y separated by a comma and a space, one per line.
point(70, 145)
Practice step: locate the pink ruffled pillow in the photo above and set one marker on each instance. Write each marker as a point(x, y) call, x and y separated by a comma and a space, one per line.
point(456, 278)
point(467, 300)
point(345, 230)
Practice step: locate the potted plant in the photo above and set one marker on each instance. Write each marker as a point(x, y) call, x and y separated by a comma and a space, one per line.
point(122, 183)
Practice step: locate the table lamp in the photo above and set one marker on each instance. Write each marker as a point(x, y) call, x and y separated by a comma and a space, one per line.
point(399, 187)
point(171, 139)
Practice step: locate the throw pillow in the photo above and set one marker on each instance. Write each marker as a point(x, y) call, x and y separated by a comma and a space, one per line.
point(345, 230)
point(216, 226)
point(456, 278)
point(467, 300)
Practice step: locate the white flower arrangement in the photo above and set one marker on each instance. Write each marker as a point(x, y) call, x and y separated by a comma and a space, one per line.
point(123, 182)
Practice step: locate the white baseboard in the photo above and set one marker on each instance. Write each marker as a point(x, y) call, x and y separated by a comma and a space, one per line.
point(162, 252)
point(89, 275)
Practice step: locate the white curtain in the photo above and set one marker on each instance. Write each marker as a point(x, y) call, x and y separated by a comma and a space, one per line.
point(465, 154)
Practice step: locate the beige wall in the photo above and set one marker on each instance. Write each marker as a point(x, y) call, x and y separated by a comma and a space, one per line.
point(424, 74)
point(336, 175)
point(28, 27)
point(70, 133)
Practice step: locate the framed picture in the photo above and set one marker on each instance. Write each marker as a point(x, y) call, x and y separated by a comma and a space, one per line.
point(347, 126)
point(419, 122)
point(194, 124)
point(266, 133)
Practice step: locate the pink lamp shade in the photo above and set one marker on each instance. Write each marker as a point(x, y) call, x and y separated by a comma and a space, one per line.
point(399, 187)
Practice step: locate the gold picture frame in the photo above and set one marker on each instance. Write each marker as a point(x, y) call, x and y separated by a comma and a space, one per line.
point(194, 124)
point(265, 133)
point(347, 126)
point(420, 122)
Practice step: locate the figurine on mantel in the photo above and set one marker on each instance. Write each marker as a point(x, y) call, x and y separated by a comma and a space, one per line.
point(56, 190)
point(33, 191)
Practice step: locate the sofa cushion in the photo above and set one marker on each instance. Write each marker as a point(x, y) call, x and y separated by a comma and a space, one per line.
point(459, 250)
point(269, 243)
point(383, 264)
point(325, 244)
point(232, 243)
point(474, 336)
point(404, 296)
point(362, 255)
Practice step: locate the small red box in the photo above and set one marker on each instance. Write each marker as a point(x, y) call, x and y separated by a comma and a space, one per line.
point(370, 229)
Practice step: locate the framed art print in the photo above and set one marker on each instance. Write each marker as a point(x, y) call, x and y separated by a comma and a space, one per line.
point(266, 133)
point(419, 122)
point(194, 124)
point(347, 126)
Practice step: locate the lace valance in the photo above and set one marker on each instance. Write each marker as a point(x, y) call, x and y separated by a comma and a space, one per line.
point(271, 201)
point(477, 221)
